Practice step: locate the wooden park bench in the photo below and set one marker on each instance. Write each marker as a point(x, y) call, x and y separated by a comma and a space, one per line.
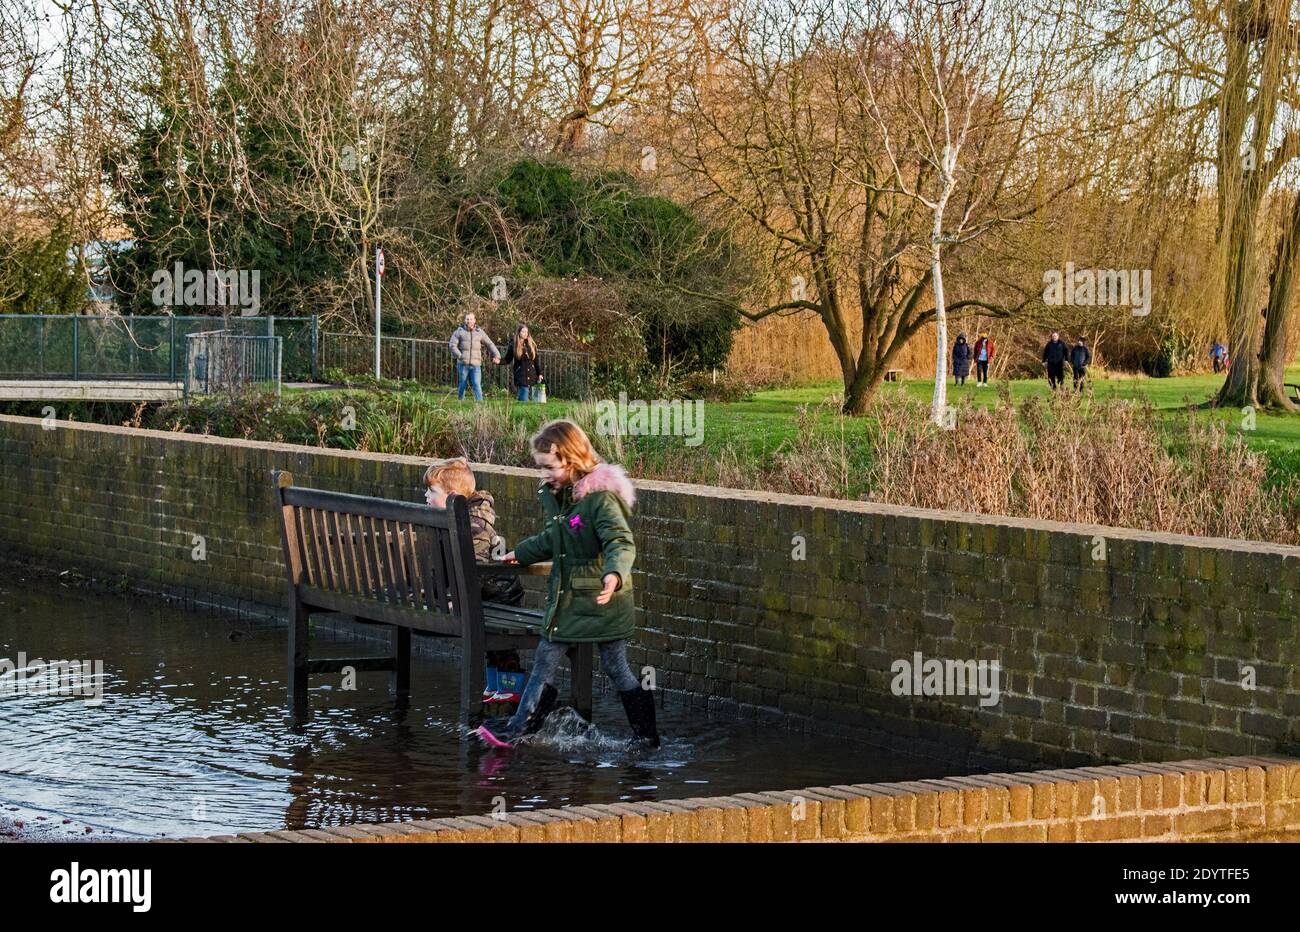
point(893, 375)
point(408, 566)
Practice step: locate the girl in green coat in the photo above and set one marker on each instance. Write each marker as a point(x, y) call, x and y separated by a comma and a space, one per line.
point(586, 505)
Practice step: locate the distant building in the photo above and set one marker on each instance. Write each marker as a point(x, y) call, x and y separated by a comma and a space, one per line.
point(101, 296)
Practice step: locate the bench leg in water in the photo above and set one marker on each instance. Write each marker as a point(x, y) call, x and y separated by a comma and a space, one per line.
point(401, 676)
point(298, 661)
point(580, 672)
point(473, 675)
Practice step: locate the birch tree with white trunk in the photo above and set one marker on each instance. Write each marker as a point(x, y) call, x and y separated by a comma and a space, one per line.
point(958, 113)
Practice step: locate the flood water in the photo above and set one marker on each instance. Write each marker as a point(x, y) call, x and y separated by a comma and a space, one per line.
point(191, 736)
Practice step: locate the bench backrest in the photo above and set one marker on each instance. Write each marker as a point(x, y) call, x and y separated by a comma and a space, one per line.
point(398, 555)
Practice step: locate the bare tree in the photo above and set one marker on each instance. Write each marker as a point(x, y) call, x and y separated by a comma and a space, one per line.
point(1237, 64)
point(962, 107)
point(834, 135)
point(607, 54)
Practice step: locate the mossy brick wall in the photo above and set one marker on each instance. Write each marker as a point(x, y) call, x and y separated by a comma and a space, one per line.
point(1226, 799)
point(1139, 656)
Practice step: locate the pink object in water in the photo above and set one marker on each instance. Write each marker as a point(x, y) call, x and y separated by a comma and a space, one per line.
point(492, 740)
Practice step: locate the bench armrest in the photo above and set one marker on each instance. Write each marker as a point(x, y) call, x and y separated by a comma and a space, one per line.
point(515, 569)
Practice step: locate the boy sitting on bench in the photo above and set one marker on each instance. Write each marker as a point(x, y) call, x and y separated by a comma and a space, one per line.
point(454, 477)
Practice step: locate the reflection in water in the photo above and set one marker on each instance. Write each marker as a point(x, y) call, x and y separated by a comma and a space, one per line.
point(192, 736)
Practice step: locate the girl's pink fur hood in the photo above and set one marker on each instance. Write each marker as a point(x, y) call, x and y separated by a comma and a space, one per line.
point(606, 477)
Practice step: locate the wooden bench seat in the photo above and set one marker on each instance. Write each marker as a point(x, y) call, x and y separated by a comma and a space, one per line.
point(407, 566)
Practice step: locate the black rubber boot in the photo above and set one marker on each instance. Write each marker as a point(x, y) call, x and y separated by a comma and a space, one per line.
point(640, 707)
point(500, 727)
point(545, 706)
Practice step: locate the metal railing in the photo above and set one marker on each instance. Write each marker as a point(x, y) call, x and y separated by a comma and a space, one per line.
point(130, 347)
point(152, 348)
point(568, 375)
point(222, 361)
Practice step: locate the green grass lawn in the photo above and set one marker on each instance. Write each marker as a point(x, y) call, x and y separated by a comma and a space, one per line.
point(758, 426)
point(771, 413)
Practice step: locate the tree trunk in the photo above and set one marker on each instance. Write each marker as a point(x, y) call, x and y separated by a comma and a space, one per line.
point(1274, 356)
point(1241, 270)
point(862, 388)
point(939, 403)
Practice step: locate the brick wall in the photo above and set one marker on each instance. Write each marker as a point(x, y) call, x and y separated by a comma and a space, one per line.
point(1137, 654)
point(1228, 799)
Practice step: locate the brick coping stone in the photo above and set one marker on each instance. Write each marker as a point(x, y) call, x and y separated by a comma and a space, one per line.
point(653, 485)
point(1218, 799)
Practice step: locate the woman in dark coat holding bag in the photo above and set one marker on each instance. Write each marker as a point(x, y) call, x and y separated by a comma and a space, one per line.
point(526, 364)
point(961, 357)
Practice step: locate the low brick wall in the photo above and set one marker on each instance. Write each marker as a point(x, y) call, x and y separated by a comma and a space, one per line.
point(1113, 645)
point(1226, 799)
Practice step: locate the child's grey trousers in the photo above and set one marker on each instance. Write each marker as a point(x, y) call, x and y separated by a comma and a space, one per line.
point(546, 662)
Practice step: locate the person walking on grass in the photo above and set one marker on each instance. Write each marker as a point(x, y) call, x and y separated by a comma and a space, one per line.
point(525, 363)
point(1080, 359)
point(961, 357)
point(1219, 356)
point(586, 504)
point(1054, 355)
point(984, 349)
point(467, 345)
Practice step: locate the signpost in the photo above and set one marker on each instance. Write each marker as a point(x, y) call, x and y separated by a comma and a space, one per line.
point(379, 278)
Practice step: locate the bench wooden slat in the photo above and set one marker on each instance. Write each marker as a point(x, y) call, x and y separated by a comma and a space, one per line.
point(309, 569)
point(362, 505)
point(384, 612)
point(339, 547)
point(371, 538)
point(442, 567)
point(494, 613)
point(360, 585)
point(318, 521)
point(425, 544)
point(393, 560)
point(419, 593)
point(318, 546)
point(362, 545)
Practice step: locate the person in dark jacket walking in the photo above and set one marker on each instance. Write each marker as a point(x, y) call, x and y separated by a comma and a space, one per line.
point(1054, 355)
point(962, 354)
point(984, 349)
point(1080, 359)
point(526, 365)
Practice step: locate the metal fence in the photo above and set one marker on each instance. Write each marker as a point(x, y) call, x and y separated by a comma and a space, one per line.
point(152, 348)
point(222, 361)
point(568, 375)
point(128, 347)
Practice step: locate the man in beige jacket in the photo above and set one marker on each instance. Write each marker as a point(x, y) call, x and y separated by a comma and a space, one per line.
point(467, 348)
